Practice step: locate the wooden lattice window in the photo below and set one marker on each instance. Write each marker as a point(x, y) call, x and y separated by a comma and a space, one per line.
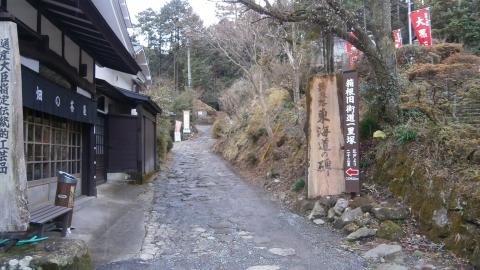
point(52, 144)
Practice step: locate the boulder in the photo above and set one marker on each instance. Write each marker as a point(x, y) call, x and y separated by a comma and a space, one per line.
point(319, 221)
point(361, 233)
point(390, 230)
point(317, 212)
point(364, 220)
point(340, 206)
point(366, 203)
point(440, 217)
point(331, 214)
point(383, 251)
point(349, 216)
point(390, 213)
point(305, 205)
point(350, 228)
point(327, 201)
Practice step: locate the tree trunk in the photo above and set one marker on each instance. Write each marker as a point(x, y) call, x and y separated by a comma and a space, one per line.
point(264, 105)
point(384, 66)
point(328, 50)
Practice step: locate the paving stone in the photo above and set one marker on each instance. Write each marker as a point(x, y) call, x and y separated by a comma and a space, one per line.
point(282, 251)
point(383, 250)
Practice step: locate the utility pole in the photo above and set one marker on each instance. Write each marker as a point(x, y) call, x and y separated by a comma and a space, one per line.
point(189, 66)
point(410, 38)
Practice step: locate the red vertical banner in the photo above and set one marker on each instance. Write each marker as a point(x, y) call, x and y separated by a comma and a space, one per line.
point(353, 53)
point(351, 115)
point(397, 36)
point(422, 25)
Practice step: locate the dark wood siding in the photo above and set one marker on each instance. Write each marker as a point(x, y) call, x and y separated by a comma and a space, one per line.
point(122, 143)
point(149, 144)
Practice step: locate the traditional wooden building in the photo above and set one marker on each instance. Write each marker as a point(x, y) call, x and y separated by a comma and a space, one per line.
point(61, 42)
point(126, 124)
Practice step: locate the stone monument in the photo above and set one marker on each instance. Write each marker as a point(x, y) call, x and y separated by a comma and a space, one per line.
point(14, 215)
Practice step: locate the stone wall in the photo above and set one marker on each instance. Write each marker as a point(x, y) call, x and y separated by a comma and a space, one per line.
point(446, 208)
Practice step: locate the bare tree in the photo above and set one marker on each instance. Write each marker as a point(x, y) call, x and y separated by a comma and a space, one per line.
point(245, 45)
point(335, 18)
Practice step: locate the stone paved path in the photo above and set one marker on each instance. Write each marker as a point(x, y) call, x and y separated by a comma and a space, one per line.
point(204, 216)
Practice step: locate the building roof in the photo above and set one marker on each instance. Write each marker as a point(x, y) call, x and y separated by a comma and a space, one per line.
point(83, 23)
point(122, 94)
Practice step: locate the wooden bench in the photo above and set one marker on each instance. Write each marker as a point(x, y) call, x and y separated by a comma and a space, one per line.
point(41, 216)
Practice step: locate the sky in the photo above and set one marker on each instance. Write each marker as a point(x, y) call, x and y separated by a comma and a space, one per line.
point(204, 8)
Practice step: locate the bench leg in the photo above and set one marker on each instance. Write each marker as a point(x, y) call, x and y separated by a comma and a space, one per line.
point(65, 219)
point(42, 230)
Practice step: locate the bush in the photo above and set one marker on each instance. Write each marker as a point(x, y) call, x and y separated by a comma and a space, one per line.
point(252, 159)
point(257, 134)
point(299, 185)
point(184, 102)
point(368, 126)
point(164, 140)
point(219, 128)
point(405, 134)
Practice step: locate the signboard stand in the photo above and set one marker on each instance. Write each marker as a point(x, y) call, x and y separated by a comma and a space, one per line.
point(13, 176)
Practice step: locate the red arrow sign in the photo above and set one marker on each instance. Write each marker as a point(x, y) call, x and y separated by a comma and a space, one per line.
point(352, 172)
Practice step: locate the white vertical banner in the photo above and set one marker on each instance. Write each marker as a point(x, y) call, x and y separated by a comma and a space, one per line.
point(186, 122)
point(14, 215)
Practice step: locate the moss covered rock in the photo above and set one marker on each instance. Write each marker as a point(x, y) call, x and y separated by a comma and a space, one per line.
point(55, 254)
point(390, 230)
point(447, 209)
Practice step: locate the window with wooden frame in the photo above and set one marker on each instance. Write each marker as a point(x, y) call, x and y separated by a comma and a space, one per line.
point(52, 144)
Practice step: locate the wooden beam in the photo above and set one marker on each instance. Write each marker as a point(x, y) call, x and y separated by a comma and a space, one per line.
point(42, 53)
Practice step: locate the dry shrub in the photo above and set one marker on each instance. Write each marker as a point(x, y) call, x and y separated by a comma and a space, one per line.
point(463, 58)
point(454, 142)
point(443, 71)
point(427, 55)
point(277, 97)
point(446, 49)
point(220, 126)
point(236, 97)
point(412, 53)
point(198, 106)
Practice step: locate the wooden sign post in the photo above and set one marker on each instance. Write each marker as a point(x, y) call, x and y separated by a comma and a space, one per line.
point(351, 123)
point(325, 138)
point(14, 215)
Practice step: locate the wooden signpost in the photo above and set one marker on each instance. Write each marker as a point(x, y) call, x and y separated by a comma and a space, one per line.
point(14, 215)
point(325, 138)
point(350, 118)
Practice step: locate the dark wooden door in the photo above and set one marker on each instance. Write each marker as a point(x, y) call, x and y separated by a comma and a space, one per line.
point(100, 152)
point(123, 144)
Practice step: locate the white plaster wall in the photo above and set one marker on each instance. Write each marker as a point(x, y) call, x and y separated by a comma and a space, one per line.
point(115, 78)
point(23, 11)
point(110, 10)
point(54, 34)
point(72, 53)
point(30, 63)
point(88, 60)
